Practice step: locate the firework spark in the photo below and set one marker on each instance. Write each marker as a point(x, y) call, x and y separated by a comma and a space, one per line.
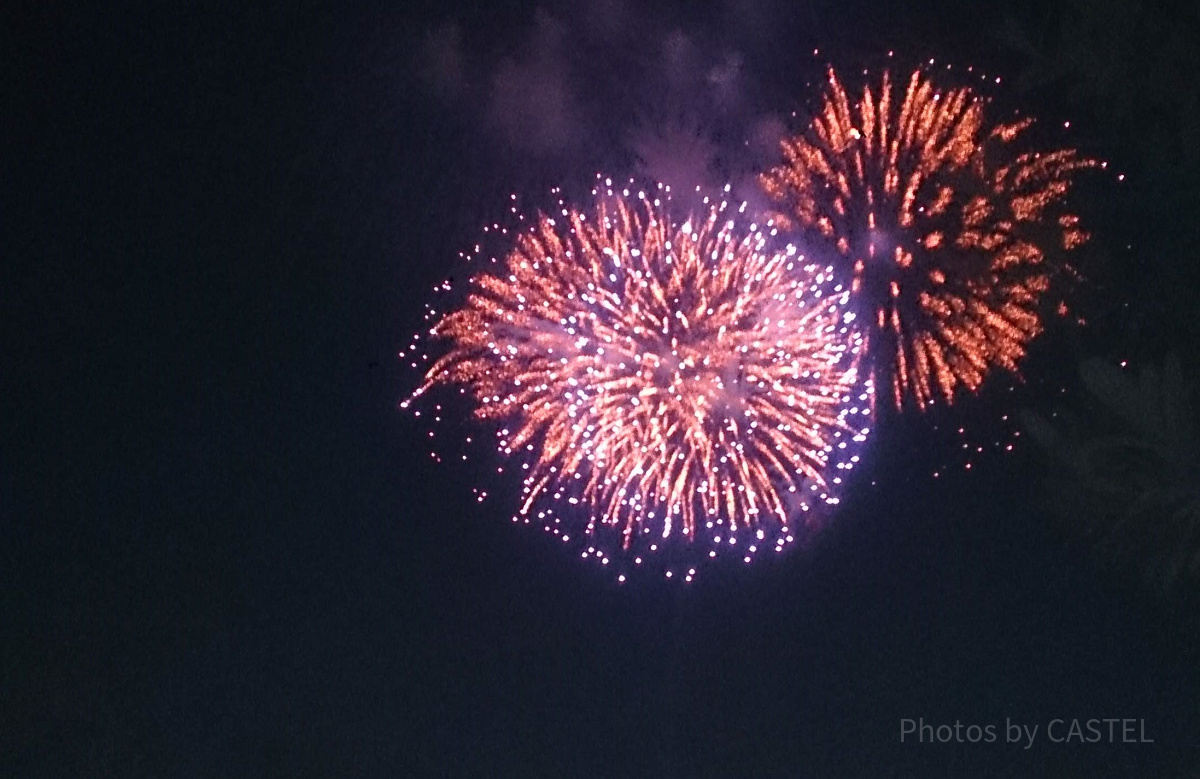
point(943, 233)
point(667, 381)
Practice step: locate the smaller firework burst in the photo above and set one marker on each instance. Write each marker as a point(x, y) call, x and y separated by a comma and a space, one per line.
point(670, 388)
point(945, 235)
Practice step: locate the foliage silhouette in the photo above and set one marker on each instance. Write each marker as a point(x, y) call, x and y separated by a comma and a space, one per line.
point(1128, 467)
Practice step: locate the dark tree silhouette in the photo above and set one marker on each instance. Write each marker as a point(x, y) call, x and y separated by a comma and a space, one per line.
point(1130, 64)
point(1128, 468)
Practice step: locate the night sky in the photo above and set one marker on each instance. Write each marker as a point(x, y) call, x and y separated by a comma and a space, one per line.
point(225, 552)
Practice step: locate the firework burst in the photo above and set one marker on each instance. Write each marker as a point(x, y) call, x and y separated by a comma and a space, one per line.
point(663, 384)
point(944, 234)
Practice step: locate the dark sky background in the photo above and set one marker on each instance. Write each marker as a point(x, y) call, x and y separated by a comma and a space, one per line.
point(224, 552)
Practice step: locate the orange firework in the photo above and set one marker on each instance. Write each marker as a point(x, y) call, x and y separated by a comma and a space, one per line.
point(664, 379)
point(942, 231)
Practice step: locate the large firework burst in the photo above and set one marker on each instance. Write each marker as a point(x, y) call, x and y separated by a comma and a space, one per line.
point(943, 232)
point(667, 380)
